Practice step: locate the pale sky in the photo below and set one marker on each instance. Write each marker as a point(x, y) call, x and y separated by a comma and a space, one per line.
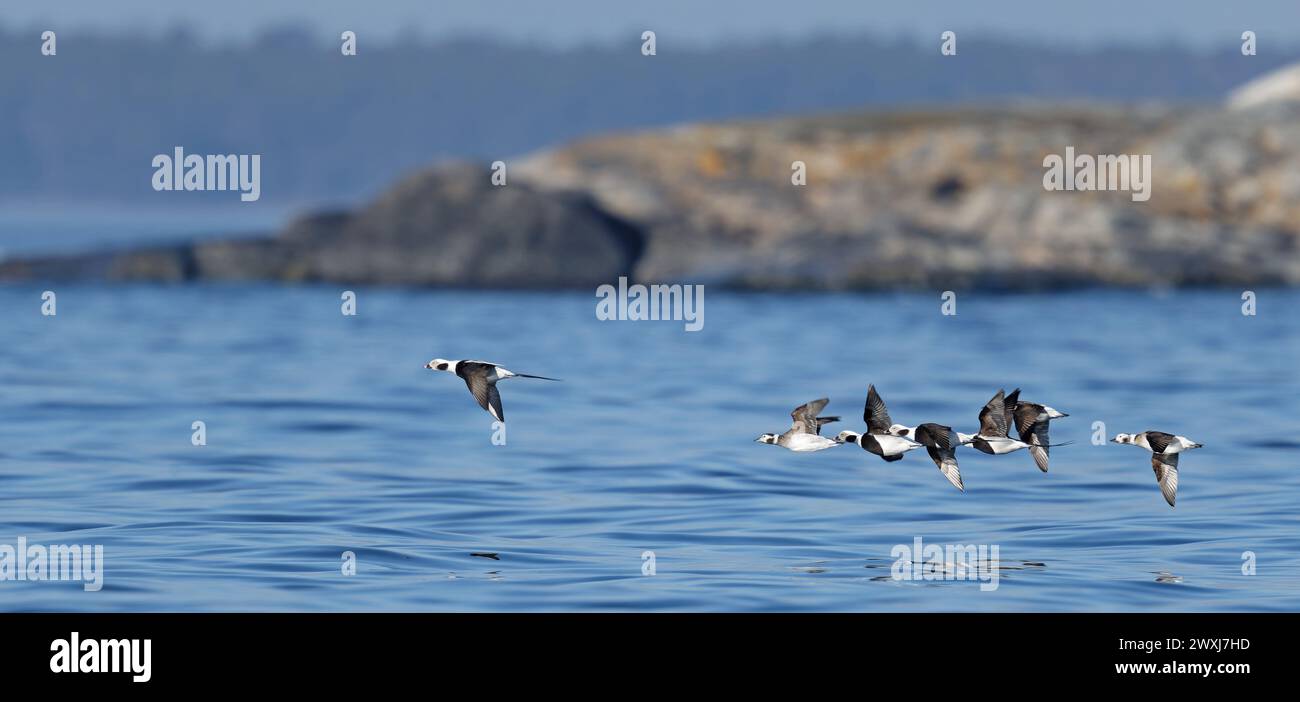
point(565, 22)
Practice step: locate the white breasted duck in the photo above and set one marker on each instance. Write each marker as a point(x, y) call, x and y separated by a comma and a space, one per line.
point(939, 441)
point(993, 438)
point(1164, 450)
point(805, 433)
point(481, 378)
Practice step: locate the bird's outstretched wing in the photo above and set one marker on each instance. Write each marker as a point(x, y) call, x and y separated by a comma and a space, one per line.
point(1039, 445)
point(1009, 403)
point(1159, 440)
point(946, 459)
point(993, 418)
point(805, 417)
point(1033, 431)
point(941, 443)
point(1166, 467)
point(875, 414)
point(486, 394)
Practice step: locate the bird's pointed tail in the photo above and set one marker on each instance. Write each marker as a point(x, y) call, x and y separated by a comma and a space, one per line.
point(538, 377)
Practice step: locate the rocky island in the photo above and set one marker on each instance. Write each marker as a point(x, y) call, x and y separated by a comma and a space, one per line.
point(941, 198)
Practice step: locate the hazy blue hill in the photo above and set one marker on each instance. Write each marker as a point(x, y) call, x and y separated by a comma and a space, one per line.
point(86, 123)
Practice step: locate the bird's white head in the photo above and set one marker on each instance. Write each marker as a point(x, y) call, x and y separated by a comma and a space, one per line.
point(441, 364)
point(900, 430)
point(1123, 439)
point(766, 439)
point(847, 437)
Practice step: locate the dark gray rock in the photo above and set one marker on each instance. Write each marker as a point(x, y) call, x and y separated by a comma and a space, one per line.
point(451, 226)
point(443, 227)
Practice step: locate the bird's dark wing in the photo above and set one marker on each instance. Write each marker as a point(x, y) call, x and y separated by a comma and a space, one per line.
point(1159, 440)
point(935, 436)
point(993, 418)
point(1033, 431)
point(1026, 415)
point(875, 414)
point(486, 394)
point(823, 421)
point(468, 369)
point(946, 459)
point(1010, 403)
point(941, 443)
point(1166, 468)
point(1039, 444)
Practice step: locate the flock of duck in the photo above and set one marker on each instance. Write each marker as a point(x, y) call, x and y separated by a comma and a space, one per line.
point(891, 441)
point(1031, 420)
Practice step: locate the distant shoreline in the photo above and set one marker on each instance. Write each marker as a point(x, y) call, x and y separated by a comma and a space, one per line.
point(943, 200)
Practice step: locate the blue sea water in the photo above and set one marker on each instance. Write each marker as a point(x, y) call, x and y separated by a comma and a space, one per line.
point(325, 434)
point(57, 228)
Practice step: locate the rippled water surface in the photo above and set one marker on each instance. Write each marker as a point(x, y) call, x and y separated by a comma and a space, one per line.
point(325, 435)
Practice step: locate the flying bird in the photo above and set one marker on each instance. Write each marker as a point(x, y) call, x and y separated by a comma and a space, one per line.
point(888, 447)
point(1164, 450)
point(995, 419)
point(805, 433)
point(940, 442)
point(481, 378)
point(1031, 422)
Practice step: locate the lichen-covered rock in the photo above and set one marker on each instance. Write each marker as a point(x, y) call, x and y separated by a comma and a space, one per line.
point(951, 199)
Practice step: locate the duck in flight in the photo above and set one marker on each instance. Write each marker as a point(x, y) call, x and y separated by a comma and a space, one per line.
point(481, 378)
point(1164, 450)
point(1031, 422)
point(805, 433)
point(940, 442)
point(993, 437)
